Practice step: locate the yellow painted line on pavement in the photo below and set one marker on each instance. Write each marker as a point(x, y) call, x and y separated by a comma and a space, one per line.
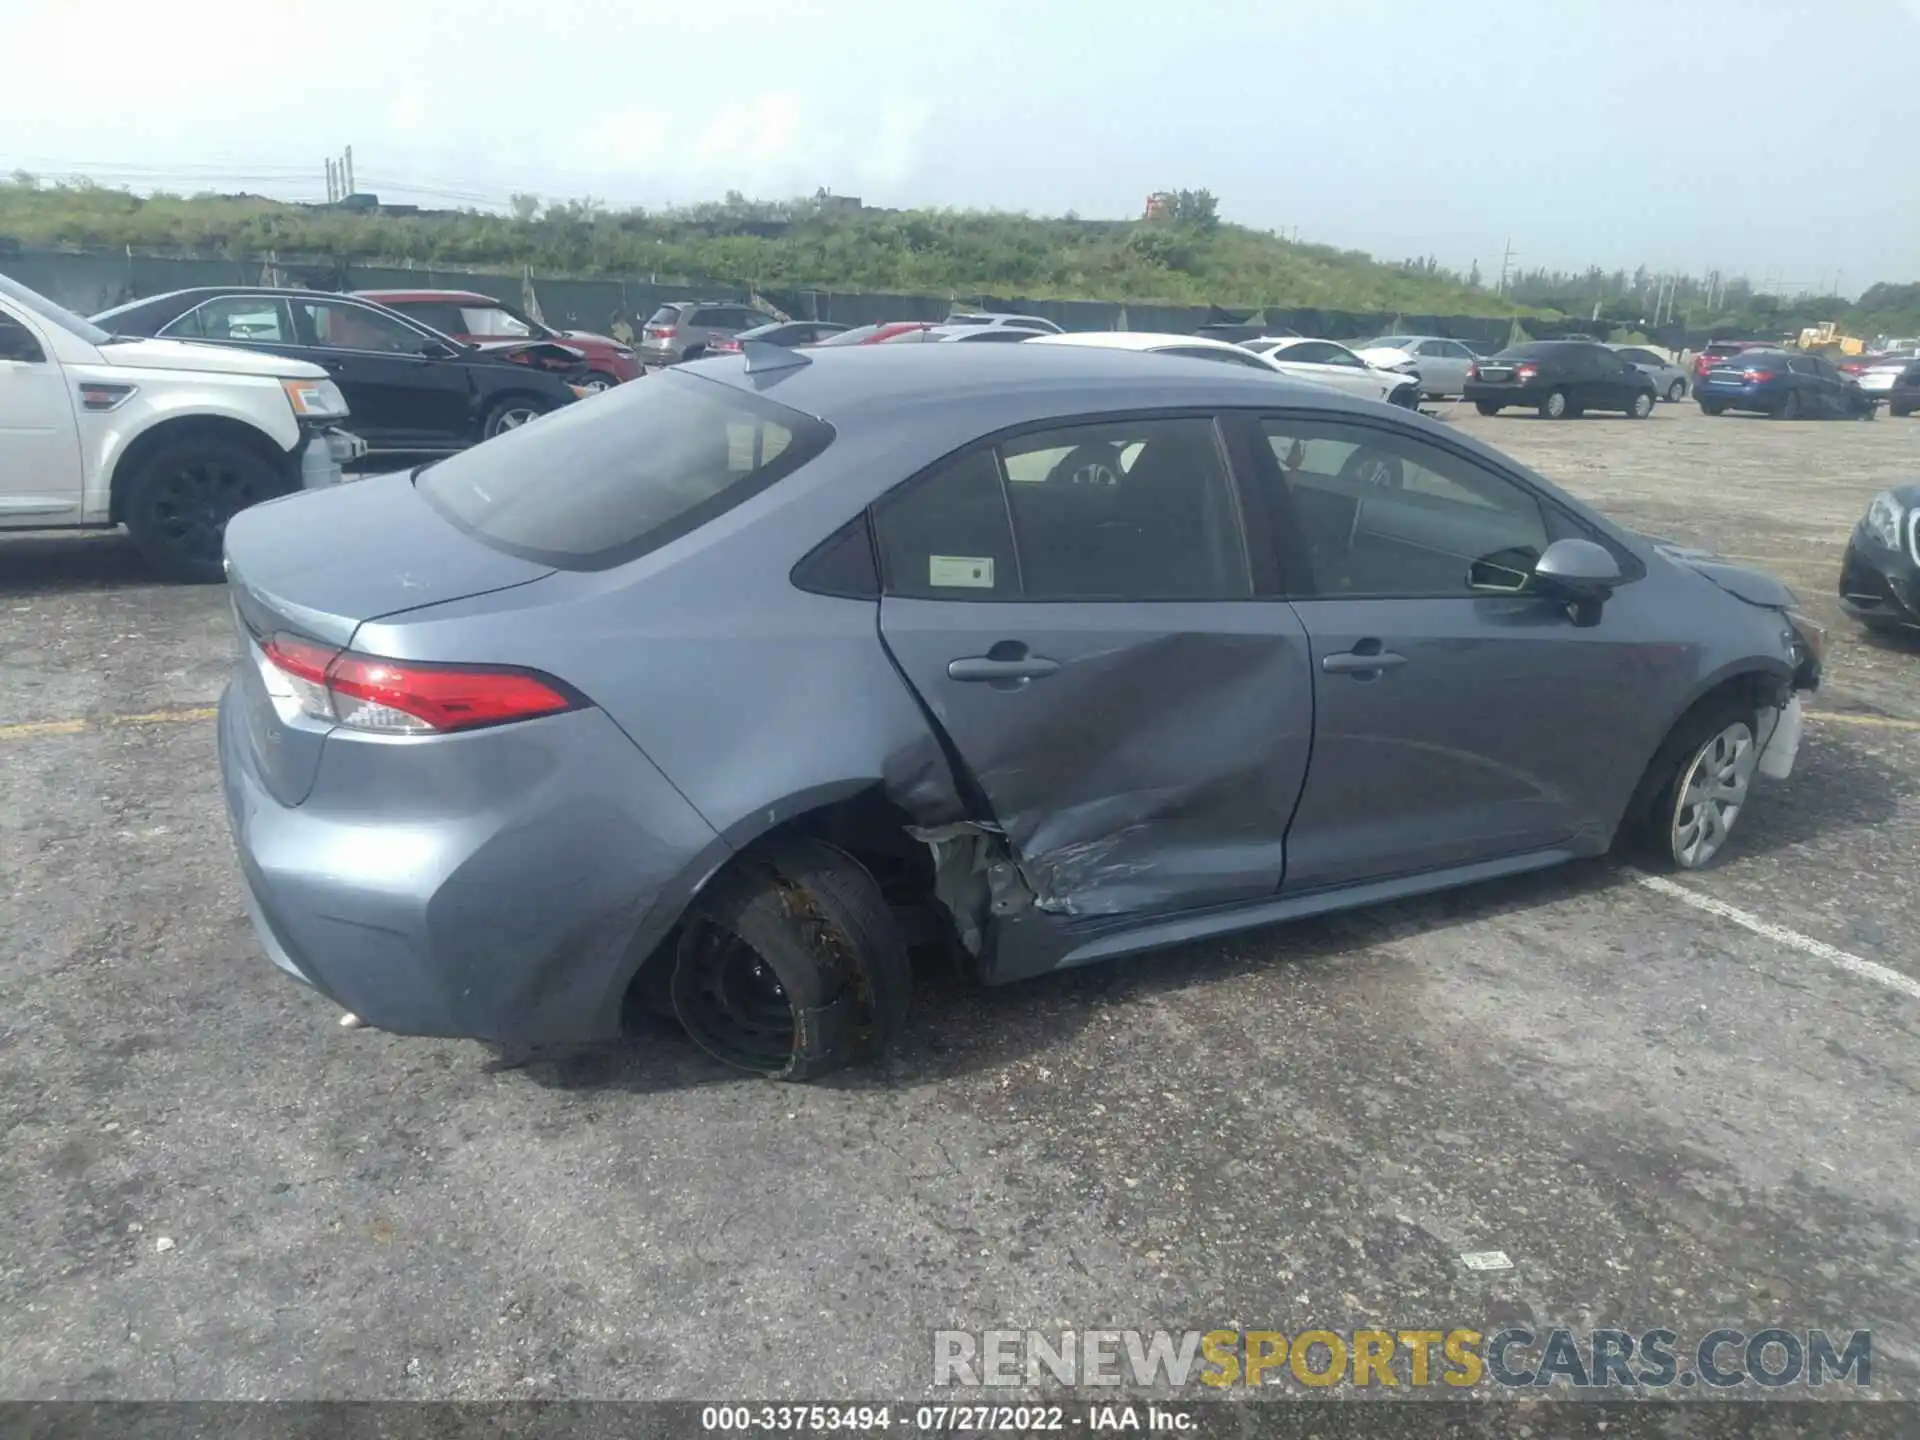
point(36, 729)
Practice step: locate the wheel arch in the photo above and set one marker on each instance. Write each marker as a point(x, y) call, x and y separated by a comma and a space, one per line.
point(130, 452)
point(1749, 679)
point(857, 815)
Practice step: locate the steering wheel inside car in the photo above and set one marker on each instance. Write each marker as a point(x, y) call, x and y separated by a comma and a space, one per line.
point(1095, 463)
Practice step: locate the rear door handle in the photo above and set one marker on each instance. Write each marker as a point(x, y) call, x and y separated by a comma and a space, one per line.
point(1361, 660)
point(983, 667)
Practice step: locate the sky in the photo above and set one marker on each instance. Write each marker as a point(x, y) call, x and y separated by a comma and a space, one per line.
point(1766, 137)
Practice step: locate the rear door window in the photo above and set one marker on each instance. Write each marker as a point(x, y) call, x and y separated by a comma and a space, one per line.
point(440, 315)
point(486, 320)
point(234, 317)
point(1121, 510)
point(642, 466)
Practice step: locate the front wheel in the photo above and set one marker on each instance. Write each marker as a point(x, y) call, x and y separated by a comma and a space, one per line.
point(1487, 407)
point(1676, 392)
point(1642, 406)
point(597, 381)
point(180, 499)
point(1699, 785)
point(1407, 397)
point(1713, 407)
point(1556, 406)
point(511, 414)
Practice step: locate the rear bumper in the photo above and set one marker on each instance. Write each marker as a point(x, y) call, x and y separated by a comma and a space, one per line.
point(1740, 397)
point(1500, 393)
point(502, 885)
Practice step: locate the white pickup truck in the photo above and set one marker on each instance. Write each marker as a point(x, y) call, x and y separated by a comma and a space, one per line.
point(166, 437)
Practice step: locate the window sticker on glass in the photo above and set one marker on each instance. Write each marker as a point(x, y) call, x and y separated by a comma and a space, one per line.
point(973, 572)
point(740, 444)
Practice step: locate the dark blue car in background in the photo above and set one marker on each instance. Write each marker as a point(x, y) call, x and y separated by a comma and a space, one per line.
point(1783, 384)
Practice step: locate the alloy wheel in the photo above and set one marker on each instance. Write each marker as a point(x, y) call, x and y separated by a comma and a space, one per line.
point(1556, 405)
point(513, 419)
point(192, 504)
point(1713, 791)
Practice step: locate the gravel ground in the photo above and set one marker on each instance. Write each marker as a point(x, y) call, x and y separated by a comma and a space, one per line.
point(1663, 1115)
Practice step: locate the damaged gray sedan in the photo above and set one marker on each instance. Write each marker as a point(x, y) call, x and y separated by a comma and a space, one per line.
point(723, 693)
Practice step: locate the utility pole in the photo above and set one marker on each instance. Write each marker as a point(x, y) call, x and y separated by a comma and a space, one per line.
point(349, 165)
point(1506, 261)
point(331, 196)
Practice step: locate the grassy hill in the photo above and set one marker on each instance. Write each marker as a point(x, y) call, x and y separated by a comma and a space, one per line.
point(1188, 258)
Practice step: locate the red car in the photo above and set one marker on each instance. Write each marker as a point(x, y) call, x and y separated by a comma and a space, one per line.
point(1718, 350)
point(875, 334)
point(481, 320)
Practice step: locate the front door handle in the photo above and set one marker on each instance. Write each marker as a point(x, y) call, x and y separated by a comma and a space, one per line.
point(985, 667)
point(1366, 658)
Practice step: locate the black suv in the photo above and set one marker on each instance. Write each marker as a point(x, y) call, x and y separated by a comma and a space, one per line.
point(1561, 379)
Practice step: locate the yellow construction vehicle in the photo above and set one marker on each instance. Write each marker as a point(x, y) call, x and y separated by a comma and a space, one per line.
point(1826, 336)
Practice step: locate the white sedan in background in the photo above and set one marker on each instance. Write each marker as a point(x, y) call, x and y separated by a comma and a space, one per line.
point(1440, 364)
point(1332, 363)
point(1371, 383)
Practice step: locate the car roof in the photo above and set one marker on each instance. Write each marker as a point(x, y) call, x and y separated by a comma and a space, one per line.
point(286, 291)
point(1131, 340)
point(1285, 342)
point(457, 297)
point(180, 301)
point(1009, 384)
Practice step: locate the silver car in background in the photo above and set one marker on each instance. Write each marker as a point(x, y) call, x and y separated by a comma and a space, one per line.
point(1668, 377)
point(716, 694)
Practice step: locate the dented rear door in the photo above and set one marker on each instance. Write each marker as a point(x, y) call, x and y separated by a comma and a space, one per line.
point(1138, 758)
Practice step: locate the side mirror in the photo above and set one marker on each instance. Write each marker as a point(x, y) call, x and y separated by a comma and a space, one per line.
point(1581, 573)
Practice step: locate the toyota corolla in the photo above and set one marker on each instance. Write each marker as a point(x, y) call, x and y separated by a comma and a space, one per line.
point(723, 693)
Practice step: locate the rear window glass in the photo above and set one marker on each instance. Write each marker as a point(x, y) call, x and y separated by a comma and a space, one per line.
point(665, 315)
point(857, 335)
point(598, 483)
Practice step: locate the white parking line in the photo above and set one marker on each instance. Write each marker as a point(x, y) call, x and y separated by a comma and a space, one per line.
point(1805, 944)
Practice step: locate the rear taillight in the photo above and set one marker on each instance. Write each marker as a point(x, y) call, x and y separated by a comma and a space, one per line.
point(1473, 371)
point(662, 332)
point(1754, 377)
point(723, 345)
point(404, 697)
point(1526, 372)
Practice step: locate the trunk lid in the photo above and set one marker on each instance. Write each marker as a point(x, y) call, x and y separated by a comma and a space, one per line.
point(321, 563)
